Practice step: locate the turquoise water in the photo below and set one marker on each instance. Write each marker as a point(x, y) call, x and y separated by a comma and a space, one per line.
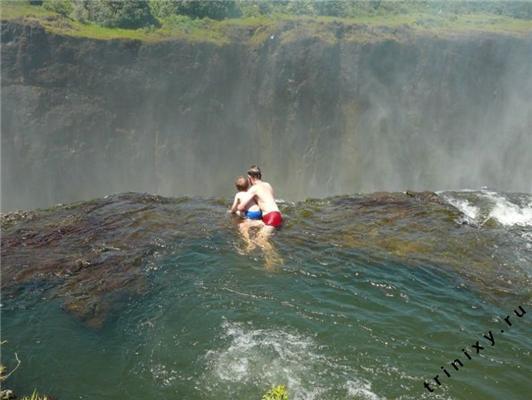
point(330, 322)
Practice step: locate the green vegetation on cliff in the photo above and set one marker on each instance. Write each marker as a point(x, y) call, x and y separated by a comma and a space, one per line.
point(256, 21)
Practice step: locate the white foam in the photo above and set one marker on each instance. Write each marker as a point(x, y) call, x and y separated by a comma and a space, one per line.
point(273, 356)
point(161, 374)
point(469, 210)
point(360, 390)
point(508, 213)
point(269, 357)
point(527, 236)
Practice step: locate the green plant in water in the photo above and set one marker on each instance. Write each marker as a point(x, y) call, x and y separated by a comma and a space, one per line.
point(276, 393)
point(8, 394)
point(35, 396)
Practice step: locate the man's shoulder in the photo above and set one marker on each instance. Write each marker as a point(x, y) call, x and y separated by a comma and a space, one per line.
point(266, 185)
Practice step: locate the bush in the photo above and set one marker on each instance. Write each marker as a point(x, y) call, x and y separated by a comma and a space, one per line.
point(81, 10)
point(162, 8)
point(129, 14)
point(63, 7)
point(184, 23)
point(196, 9)
point(301, 7)
point(332, 8)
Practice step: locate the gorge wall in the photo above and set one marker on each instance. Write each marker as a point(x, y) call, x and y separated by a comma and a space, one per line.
point(82, 118)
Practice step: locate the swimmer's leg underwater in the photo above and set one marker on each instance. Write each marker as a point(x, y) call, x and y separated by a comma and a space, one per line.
point(243, 227)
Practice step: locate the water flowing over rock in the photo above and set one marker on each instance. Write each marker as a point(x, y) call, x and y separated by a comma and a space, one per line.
point(95, 256)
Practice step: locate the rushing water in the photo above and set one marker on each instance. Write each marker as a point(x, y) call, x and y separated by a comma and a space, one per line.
point(368, 296)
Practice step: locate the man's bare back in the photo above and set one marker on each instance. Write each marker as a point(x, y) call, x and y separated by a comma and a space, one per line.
point(262, 192)
point(264, 196)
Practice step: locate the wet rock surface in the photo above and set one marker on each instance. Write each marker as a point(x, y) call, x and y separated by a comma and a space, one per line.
point(89, 254)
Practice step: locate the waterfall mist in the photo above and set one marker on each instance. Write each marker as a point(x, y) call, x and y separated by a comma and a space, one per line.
point(84, 118)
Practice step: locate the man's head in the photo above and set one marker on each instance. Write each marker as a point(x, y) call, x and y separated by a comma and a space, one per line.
point(241, 184)
point(254, 174)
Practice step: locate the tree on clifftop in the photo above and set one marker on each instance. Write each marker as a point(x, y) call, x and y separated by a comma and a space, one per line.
point(196, 8)
point(63, 7)
point(115, 13)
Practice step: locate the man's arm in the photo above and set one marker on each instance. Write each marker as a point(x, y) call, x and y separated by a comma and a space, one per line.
point(246, 198)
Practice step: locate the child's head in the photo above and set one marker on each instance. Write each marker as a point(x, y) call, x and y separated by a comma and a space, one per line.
point(241, 184)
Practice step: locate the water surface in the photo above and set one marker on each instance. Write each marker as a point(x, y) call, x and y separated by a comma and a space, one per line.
point(372, 295)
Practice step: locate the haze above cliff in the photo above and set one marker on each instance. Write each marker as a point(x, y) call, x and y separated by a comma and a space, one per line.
point(325, 106)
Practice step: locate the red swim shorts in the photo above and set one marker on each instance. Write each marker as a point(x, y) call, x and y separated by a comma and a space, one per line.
point(273, 218)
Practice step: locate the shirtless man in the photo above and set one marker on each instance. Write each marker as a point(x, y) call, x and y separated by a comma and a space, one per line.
point(262, 192)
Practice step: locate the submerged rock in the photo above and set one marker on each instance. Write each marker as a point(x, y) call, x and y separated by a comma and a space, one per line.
point(89, 254)
point(97, 256)
point(7, 394)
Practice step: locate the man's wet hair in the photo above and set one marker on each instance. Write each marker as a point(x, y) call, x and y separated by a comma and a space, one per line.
point(241, 184)
point(254, 172)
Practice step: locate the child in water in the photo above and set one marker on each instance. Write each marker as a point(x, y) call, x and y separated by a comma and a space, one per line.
point(252, 211)
point(252, 214)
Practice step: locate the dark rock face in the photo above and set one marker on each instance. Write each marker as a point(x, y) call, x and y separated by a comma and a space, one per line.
point(84, 118)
